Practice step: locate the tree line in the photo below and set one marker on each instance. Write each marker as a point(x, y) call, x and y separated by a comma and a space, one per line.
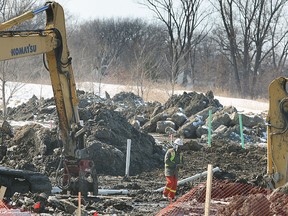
point(236, 47)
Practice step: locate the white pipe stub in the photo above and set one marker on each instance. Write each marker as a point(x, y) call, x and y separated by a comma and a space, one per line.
point(197, 176)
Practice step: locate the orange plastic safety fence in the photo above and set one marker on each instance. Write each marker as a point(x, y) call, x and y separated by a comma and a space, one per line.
point(2, 205)
point(229, 198)
point(5, 211)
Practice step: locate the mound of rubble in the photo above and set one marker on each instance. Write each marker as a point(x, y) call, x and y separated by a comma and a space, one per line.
point(187, 115)
point(112, 121)
point(125, 116)
point(37, 148)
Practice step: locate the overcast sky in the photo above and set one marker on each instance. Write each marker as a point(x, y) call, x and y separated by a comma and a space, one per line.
point(85, 9)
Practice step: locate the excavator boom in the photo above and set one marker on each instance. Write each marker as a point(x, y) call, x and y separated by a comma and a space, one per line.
point(35, 43)
point(52, 43)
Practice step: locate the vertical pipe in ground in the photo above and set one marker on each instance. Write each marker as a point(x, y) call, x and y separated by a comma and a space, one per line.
point(171, 139)
point(128, 157)
point(241, 130)
point(209, 127)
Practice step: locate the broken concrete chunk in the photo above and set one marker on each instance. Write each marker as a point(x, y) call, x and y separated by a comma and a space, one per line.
point(162, 125)
point(218, 120)
point(179, 118)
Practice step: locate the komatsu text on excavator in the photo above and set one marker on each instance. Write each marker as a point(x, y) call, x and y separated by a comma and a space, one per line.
point(79, 172)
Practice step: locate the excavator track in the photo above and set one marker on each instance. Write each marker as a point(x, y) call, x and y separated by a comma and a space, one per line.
point(23, 181)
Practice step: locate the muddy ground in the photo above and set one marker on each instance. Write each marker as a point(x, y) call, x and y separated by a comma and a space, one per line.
point(237, 164)
point(111, 123)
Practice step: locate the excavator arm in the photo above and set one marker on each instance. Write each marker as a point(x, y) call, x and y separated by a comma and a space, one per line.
point(277, 133)
point(26, 43)
point(52, 43)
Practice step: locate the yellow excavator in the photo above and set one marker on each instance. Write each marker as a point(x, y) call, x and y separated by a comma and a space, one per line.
point(79, 172)
point(277, 133)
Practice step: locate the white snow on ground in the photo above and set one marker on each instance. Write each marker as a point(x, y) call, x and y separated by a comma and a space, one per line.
point(244, 105)
point(27, 91)
point(45, 91)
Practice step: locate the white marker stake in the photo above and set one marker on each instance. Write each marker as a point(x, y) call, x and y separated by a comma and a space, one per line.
point(208, 190)
point(2, 192)
point(79, 203)
point(128, 157)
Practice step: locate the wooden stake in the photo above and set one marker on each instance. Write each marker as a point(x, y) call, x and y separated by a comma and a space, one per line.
point(2, 192)
point(208, 190)
point(79, 203)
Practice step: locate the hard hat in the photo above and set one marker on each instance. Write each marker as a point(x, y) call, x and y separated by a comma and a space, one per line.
point(178, 142)
point(43, 195)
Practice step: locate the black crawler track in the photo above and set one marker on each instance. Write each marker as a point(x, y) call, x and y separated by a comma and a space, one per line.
point(23, 181)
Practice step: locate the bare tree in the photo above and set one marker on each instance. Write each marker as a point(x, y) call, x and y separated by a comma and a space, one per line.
point(8, 70)
point(114, 47)
point(182, 18)
point(148, 50)
point(8, 90)
point(212, 66)
point(3, 67)
point(103, 41)
point(279, 44)
point(144, 69)
point(250, 37)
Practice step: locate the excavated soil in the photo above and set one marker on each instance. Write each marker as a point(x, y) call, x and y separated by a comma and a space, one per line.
point(38, 148)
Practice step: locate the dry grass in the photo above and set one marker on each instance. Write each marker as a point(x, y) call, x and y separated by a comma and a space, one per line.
point(154, 91)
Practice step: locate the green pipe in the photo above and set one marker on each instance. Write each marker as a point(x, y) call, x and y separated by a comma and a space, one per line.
point(241, 130)
point(209, 128)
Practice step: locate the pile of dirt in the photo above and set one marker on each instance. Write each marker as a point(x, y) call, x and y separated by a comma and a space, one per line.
point(112, 121)
point(107, 143)
point(33, 148)
point(37, 148)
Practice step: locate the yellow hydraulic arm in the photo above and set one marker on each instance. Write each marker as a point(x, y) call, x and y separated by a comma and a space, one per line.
point(26, 43)
point(18, 20)
point(52, 42)
point(277, 132)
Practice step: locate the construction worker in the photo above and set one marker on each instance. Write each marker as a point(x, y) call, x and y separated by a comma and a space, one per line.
point(40, 205)
point(173, 161)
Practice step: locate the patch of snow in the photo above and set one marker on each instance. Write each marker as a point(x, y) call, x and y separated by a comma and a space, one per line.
point(47, 124)
point(244, 105)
